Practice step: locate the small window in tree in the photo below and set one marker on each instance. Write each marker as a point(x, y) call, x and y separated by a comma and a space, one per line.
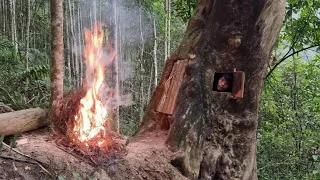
point(230, 82)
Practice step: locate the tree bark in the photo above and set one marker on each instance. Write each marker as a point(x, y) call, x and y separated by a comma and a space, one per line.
point(75, 45)
point(166, 31)
point(13, 26)
point(155, 49)
point(56, 58)
point(28, 34)
point(116, 64)
point(169, 28)
point(71, 46)
point(80, 45)
point(27, 41)
point(21, 121)
point(142, 70)
point(3, 17)
point(214, 137)
point(68, 49)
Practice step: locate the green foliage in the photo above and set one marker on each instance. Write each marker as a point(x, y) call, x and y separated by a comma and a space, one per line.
point(129, 123)
point(21, 88)
point(1, 140)
point(289, 118)
point(184, 8)
point(14, 140)
point(302, 26)
point(290, 122)
point(61, 178)
point(34, 73)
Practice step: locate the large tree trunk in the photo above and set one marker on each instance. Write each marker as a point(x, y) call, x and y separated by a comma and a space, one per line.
point(215, 136)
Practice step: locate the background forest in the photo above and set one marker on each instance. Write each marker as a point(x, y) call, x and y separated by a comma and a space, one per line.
point(146, 32)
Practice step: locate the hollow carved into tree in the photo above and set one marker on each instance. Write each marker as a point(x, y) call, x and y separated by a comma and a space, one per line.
point(214, 137)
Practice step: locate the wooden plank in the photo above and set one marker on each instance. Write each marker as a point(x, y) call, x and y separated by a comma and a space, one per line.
point(238, 84)
point(172, 86)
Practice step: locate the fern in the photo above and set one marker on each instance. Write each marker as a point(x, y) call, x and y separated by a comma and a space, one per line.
point(20, 87)
point(1, 140)
point(10, 98)
point(34, 73)
point(14, 140)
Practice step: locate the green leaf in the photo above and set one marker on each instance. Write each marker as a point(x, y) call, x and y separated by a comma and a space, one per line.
point(61, 178)
point(1, 140)
point(315, 157)
point(14, 139)
point(76, 176)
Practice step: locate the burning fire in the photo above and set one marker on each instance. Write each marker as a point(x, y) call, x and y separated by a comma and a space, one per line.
point(90, 124)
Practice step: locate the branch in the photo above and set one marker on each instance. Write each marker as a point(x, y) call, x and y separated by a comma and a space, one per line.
point(295, 40)
point(36, 161)
point(5, 108)
point(16, 159)
point(287, 56)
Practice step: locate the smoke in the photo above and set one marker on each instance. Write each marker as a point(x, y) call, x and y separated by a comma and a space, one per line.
point(127, 17)
point(126, 24)
point(134, 21)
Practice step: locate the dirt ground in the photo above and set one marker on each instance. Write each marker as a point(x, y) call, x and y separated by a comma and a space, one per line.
point(147, 158)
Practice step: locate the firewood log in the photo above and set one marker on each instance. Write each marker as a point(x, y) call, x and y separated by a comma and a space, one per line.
point(23, 120)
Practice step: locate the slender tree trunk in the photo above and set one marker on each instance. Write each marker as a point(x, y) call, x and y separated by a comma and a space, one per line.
point(155, 48)
point(20, 22)
point(3, 19)
point(71, 47)
point(166, 32)
point(81, 40)
point(7, 16)
point(142, 98)
point(91, 17)
point(13, 26)
point(33, 28)
point(75, 45)
point(169, 28)
point(215, 137)
point(100, 14)
point(79, 35)
point(27, 42)
point(28, 34)
point(150, 84)
point(115, 125)
point(120, 58)
point(68, 49)
point(56, 58)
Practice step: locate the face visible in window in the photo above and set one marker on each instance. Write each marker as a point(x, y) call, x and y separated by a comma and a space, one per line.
point(222, 84)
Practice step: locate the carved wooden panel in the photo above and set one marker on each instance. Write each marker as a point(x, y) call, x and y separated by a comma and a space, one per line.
point(238, 84)
point(172, 86)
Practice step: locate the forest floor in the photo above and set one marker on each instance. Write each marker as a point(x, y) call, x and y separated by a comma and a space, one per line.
point(146, 157)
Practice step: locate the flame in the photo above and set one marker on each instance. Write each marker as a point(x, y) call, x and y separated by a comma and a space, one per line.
point(90, 121)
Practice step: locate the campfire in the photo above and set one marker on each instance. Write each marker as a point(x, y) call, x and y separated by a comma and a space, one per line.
point(88, 122)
